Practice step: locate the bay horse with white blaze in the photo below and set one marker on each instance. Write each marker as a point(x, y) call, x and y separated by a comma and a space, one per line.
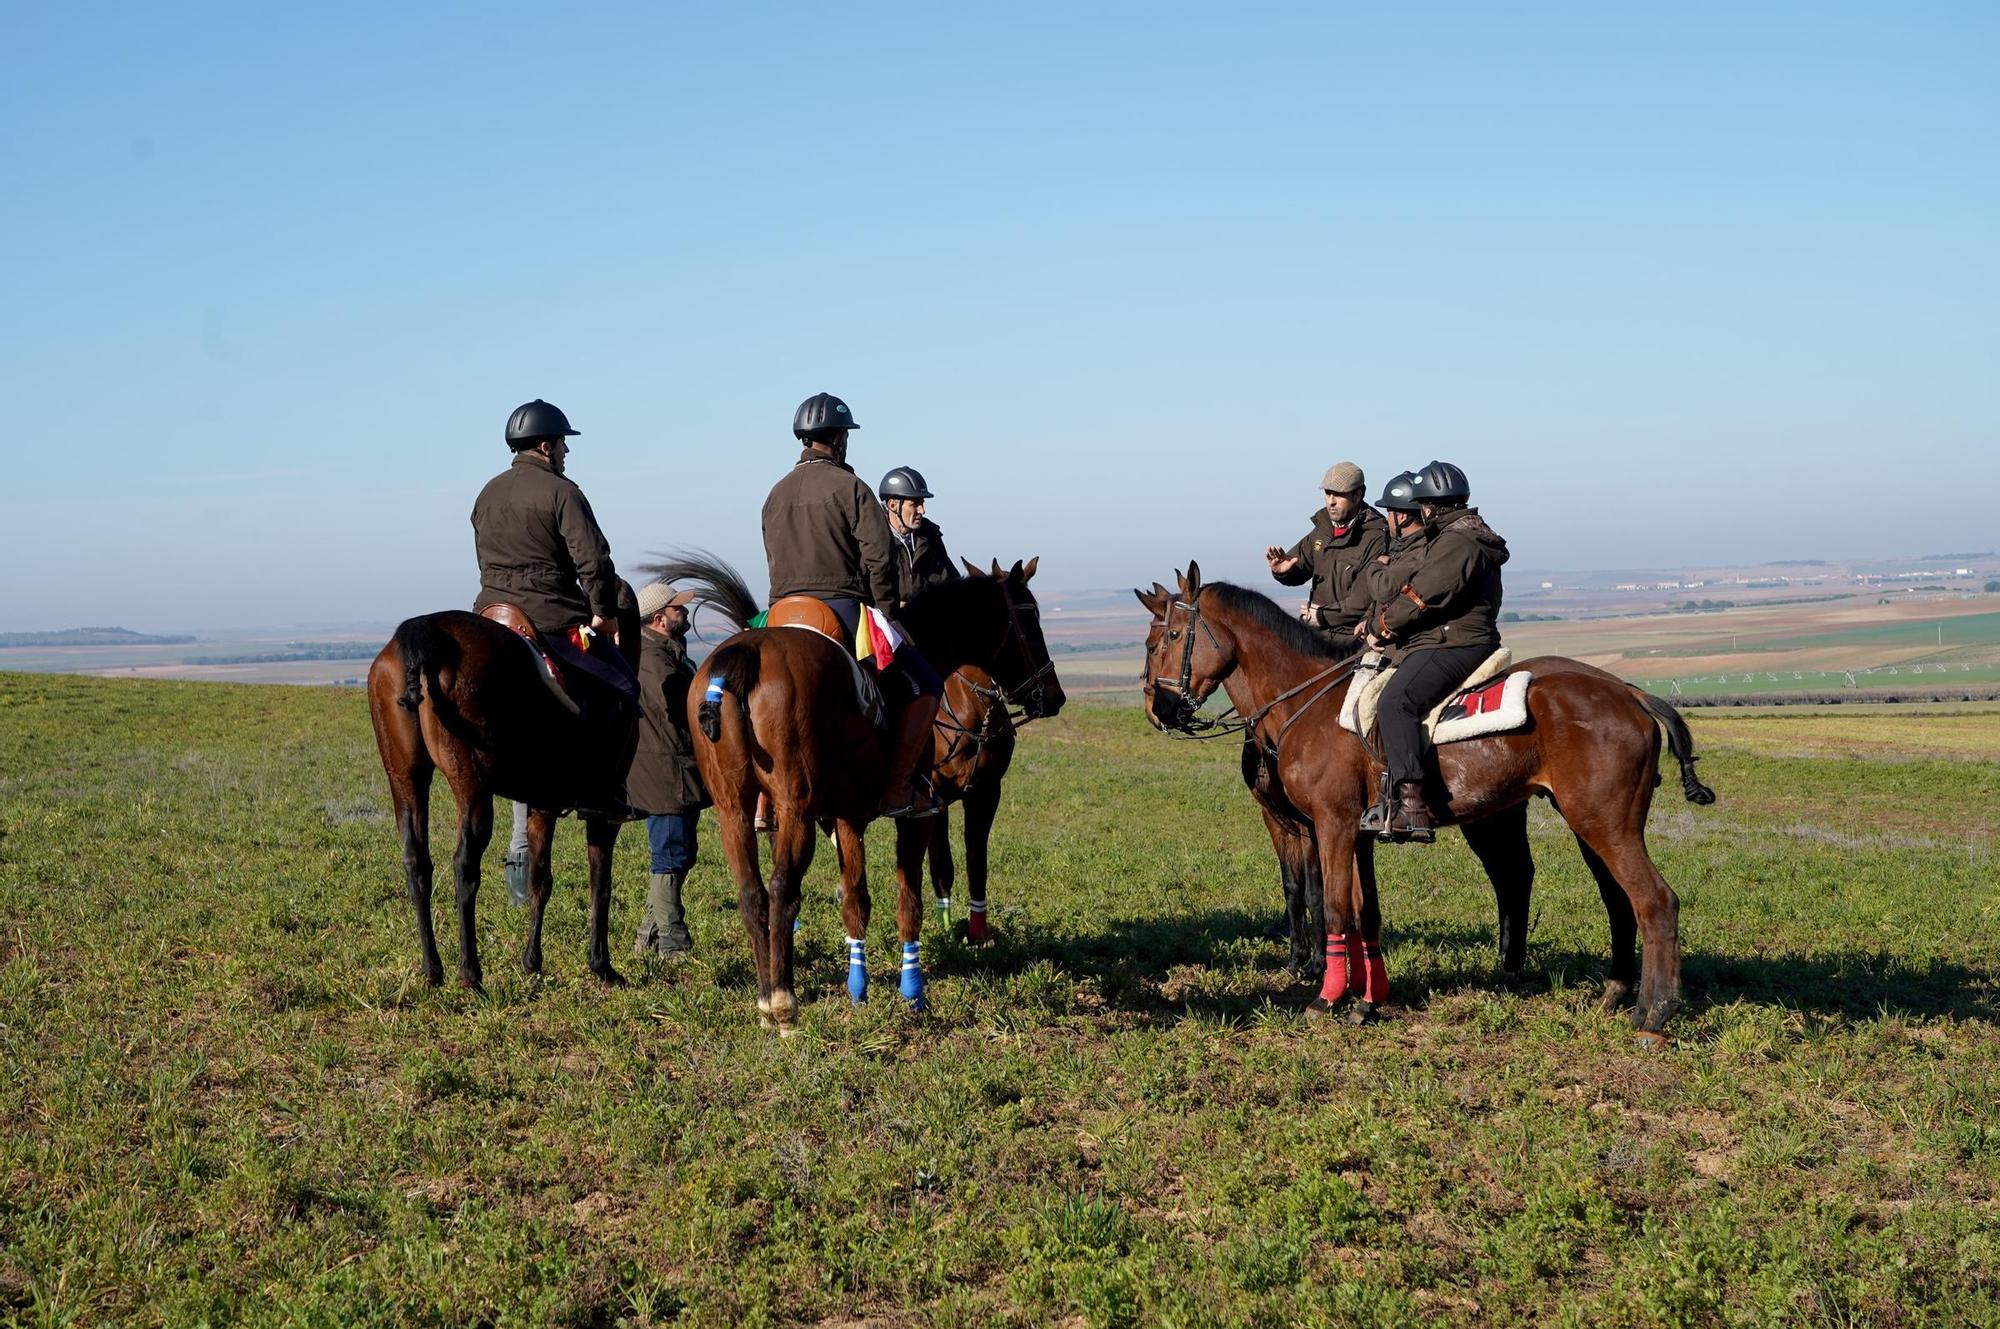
point(457, 692)
point(1591, 746)
point(776, 710)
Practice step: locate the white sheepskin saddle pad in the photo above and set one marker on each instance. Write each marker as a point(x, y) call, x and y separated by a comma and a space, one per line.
point(1490, 701)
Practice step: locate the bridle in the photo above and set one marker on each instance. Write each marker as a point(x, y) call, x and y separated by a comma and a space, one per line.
point(1032, 700)
point(1187, 720)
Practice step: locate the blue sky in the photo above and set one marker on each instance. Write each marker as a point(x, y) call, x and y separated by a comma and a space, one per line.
point(1672, 283)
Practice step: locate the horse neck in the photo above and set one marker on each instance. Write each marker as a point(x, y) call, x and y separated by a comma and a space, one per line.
point(1265, 664)
point(942, 624)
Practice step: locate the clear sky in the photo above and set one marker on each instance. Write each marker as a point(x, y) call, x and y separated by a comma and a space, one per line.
point(1673, 283)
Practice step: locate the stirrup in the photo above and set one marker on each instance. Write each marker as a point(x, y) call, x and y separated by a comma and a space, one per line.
point(916, 809)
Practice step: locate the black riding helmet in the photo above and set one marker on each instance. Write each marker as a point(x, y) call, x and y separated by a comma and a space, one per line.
point(535, 421)
point(1400, 495)
point(903, 482)
point(820, 415)
point(1442, 483)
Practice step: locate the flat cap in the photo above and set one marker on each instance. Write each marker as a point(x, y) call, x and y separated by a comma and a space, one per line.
point(1343, 478)
point(657, 595)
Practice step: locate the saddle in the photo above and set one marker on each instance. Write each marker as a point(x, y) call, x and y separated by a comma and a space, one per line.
point(814, 615)
point(1490, 701)
point(511, 618)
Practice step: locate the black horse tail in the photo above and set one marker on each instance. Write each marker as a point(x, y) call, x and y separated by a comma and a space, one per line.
point(713, 582)
point(424, 647)
point(1681, 743)
point(733, 669)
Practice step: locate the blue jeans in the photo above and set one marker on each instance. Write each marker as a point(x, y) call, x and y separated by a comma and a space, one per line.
point(673, 838)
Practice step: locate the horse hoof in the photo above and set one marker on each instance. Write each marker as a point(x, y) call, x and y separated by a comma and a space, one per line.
point(434, 977)
point(1650, 1040)
point(531, 965)
point(609, 976)
point(788, 1030)
point(1319, 1009)
point(1616, 993)
point(472, 979)
point(1364, 1012)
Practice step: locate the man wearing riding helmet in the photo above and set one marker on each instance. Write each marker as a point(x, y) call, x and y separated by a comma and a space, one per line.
point(1346, 536)
point(825, 535)
point(1436, 608)
point(921, 561)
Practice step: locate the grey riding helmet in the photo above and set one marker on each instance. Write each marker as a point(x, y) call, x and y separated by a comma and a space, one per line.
point(903, 482)
point(1441, 482)
point(1400, 495)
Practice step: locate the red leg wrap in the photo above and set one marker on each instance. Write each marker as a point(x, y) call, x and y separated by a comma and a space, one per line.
point(1333, 986)
point(1375, 974)
point(975, 926)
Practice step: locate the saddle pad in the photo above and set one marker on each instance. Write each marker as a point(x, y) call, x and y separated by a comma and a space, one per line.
point(1357, 713)
point(867, 695)
point(1489, 708)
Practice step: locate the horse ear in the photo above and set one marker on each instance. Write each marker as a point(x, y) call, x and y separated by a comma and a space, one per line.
point(997, 574)
point(1180, 580)
point(1193, 579)
point(1028, 573)
point(1014, 573)
point(970, 570)
point(1154, 600)
point(1161, 591)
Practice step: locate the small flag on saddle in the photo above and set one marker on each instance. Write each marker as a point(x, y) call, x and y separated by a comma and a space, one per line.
point(875, 641)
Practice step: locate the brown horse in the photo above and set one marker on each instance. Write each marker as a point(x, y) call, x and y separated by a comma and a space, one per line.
point(776, 710)
point(1592, 748)
point(973, 745)
point(459, 693)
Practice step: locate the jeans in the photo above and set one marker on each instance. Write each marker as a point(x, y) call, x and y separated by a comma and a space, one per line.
point(673, 839)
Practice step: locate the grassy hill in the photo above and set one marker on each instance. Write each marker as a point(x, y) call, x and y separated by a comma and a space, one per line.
point(229, 1099)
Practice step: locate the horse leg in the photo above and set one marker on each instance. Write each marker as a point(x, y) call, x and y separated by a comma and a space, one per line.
point(855, 906)
point(541, 830)
point(1338, 896)
point(600, 839)
point(1621, 847)
point(943, 874)
point(1624, 930)
point(475, 828)
point(792, 845)
point(1374, 971)
point(911, 835)
point(982, 805)
point(1501, 844)
point(413, 821)
point(739, 847)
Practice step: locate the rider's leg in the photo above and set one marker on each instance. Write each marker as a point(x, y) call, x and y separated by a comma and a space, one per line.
point(908, 793)
point(1422, 680)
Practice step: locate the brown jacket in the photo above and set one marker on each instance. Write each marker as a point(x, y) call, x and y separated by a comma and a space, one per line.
point(1441, 587)
point(825, 534)
point(663, 777)
point(921, 561)
point(1336, 567)
point(540, 547)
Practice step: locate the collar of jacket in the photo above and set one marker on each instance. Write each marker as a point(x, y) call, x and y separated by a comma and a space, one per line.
point(807, 456)
point(530, 457)
point(1323, 523)
point(1444, 521)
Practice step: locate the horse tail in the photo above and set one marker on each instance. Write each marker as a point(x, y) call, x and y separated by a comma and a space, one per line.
point(424, 647)
point(713, 582)
point(1681, 743)
point(731, 670)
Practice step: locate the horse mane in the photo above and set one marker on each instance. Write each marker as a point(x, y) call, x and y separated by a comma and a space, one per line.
point(713, 582)
point(1264, 611)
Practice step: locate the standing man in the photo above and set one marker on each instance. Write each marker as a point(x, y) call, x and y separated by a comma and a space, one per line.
point(921, 561)
point(1436, 608)
point(1346, 536)
point(825, 535)
point(663, 782)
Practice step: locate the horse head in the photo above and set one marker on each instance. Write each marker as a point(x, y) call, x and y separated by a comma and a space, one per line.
point(1186, 659)
point(1019, 658)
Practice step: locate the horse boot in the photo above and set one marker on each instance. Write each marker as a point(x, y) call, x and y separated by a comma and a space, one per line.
point(1412, 818)
point(663, 906)
point(908, 794)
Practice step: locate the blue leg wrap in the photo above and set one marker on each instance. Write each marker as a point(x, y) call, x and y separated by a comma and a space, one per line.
point(857, 971)
point(913, 976)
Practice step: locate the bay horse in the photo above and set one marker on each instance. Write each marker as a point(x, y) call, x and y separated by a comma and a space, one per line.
point(776, 711)
point(457, 692)
point(972, 747)
point(1592, 747)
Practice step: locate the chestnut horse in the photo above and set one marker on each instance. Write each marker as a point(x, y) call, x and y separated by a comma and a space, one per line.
point(456, 692)
point(1592, 746)
point(775, 710)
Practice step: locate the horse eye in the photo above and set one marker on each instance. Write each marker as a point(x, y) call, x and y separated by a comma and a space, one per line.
point(1175, 635)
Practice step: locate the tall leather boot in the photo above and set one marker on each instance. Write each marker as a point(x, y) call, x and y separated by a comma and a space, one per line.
point(907, 795)
point(663, 902)
point(1411, 819)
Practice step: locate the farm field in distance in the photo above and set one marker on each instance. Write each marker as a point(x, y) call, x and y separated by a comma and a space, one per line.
point(230, 1099)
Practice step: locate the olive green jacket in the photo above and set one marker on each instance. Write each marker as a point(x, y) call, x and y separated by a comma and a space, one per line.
point(540, 548)
point(825, 535)
point(663, 777)
point(1337, 565)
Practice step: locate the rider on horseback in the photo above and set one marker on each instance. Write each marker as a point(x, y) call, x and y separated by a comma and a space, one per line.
point(1346, 536)
point(921, 561)
point(1436, 607)
point(540, 549)
point(826, 536)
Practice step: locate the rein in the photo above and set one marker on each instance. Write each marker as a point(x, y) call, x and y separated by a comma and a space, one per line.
point(1189, 723)
point(1035, 697)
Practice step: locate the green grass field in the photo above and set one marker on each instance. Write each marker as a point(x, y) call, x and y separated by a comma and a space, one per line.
point(230, 1100)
